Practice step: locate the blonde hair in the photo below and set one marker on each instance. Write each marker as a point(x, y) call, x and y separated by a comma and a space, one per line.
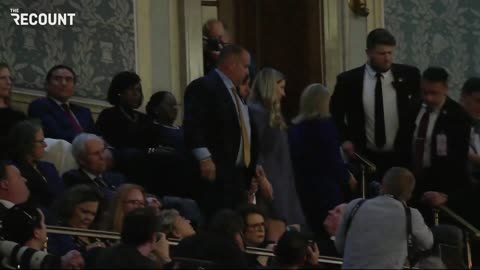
point(117, 215)
point(313, 103)
point(264, 90)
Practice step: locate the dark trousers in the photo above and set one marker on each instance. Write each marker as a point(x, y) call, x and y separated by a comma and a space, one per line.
point(228, 191)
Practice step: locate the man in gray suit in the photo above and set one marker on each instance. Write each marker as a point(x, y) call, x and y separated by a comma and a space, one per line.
point(375, 236)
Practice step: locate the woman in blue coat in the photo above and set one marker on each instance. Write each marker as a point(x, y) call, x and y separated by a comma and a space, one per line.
point(320, 172)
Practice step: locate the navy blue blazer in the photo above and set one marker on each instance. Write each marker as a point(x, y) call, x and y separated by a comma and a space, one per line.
point(320, 172)
point(211, 121)
point(55, 122)
point(45, 184)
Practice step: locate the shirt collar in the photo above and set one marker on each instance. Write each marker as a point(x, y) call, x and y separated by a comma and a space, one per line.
point(59, 103)
point(90, 175)
point(372, 73)
point(436, 110)
point(7, 204)
point(228, 83)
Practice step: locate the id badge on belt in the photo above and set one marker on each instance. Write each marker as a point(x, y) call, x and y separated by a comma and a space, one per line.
point(442, 150)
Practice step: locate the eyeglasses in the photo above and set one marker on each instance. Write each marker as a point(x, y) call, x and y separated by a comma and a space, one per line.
point(135, 202)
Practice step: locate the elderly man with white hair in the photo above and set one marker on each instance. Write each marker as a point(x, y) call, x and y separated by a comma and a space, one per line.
point(373, 233)
point(90, 152)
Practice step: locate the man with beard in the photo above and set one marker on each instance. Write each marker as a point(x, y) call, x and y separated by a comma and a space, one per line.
point(370, 103)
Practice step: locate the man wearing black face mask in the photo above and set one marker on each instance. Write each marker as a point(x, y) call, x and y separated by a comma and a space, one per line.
point(370, 103)
point(214, 40)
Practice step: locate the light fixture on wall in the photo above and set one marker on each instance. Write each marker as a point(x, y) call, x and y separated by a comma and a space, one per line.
point(359, 7)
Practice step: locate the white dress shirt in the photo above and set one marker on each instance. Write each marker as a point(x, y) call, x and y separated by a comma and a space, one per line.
point(7, 204)
point(390, 108)
point(59, 103)
point(204, 153)
point(428, 140)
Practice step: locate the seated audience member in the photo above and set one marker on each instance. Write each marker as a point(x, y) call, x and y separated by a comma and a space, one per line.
point(162, 111)
point(27, 147)
point(80, 208)
point(140, 239)
point(25, 225)
point(13, 189)
point(373, 235)
point(326, 242)
point(155, 203)
point(254, 220)
point(254, 234)
point(320, 172)
point(208, 251)
point(89, 151)
point(293, 251)
point(229, 224)
point(173, 225)
point(8, 116)
point(167, 151)
point(122, 126)
point(127, 198)
point(60, 118)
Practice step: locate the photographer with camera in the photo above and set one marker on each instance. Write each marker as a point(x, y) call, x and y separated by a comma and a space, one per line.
point(295, 251)
point(215, 38)
point(383, 232)
point(25, 225)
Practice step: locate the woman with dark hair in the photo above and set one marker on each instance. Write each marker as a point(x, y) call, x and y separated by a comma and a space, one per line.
point(80, 208)
point(162, 111)
point(122, 126)
point(8, 116)
point(26, 143)
point(167, 151)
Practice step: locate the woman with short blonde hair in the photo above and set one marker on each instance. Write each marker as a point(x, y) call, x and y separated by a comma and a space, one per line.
point(320, 171)
point(274, 157)
point(314, 103)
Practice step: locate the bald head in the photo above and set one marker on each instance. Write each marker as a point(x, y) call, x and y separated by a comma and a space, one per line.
point(399, 182)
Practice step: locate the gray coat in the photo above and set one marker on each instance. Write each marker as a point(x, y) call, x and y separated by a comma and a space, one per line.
point(377, 238)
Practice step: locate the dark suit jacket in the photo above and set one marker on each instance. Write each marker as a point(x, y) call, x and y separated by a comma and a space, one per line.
point(448, 174)
point(56, 124)
point(119, 131)
point(347, 103)
point(45, 186)
point(79, 177)
point(211, 121)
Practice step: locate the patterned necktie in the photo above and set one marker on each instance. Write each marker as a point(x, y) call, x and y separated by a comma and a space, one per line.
point(76, 126)
point(245, 138)
point(380, 137)
point(100, 182)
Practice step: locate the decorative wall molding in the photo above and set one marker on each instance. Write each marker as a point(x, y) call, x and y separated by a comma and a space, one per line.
point(437, 33)
point(100, 43)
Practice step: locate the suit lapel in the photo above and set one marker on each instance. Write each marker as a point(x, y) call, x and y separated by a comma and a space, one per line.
point(58, 112)
point(403, 96)
point(224, 94)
